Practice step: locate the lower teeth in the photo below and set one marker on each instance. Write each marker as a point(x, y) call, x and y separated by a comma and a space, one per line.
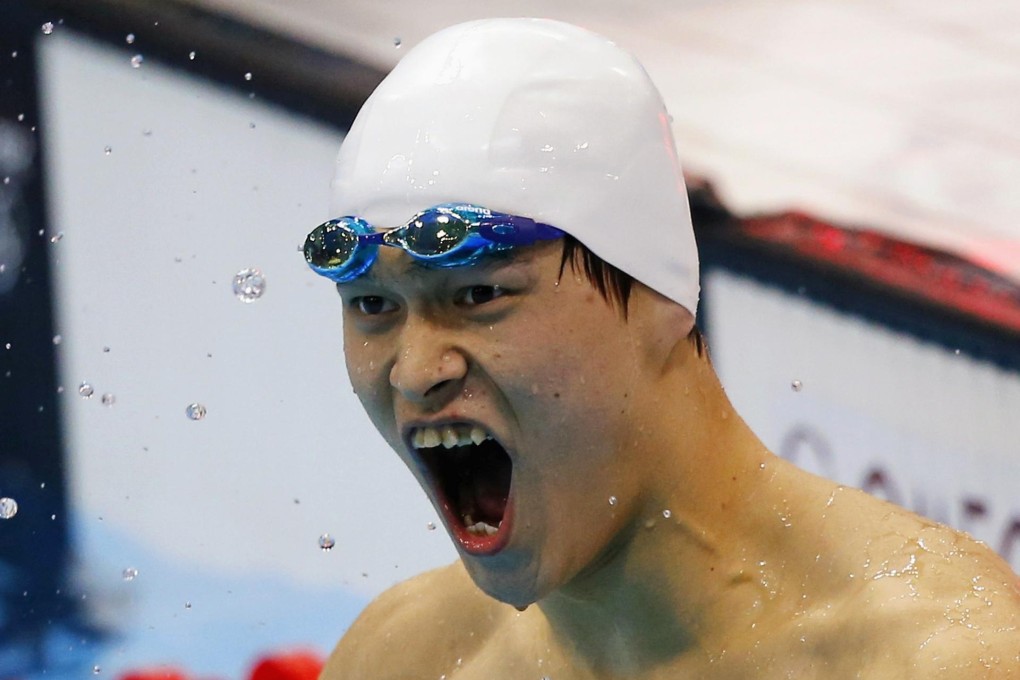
point(480, 528)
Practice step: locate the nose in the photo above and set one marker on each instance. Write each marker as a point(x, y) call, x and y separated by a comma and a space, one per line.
point(429, 370)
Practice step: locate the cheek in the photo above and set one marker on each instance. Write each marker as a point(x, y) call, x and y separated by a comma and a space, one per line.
point(367, 373)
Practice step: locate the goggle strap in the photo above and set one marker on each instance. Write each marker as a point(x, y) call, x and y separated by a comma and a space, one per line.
point(524, 231)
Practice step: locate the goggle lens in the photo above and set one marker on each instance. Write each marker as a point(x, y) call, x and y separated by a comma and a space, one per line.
point(432, 235)
point(330, 245)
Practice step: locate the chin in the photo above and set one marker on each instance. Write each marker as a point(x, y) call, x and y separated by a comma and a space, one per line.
point(515, 585)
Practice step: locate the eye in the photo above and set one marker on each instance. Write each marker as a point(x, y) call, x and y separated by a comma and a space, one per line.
point(373, 305)
point(479, 295)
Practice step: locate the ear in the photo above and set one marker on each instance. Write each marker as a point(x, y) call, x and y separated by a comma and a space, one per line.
point(661, 324)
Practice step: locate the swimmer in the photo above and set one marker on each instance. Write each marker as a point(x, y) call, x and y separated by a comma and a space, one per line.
point(514, 254)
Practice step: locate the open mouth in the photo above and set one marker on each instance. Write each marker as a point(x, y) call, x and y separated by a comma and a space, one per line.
point(471, 473)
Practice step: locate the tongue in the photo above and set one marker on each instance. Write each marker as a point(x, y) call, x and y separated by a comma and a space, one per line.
point(490, 502)
point(483, 498)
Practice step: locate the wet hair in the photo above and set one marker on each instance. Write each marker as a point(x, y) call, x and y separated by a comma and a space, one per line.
point(612, 284)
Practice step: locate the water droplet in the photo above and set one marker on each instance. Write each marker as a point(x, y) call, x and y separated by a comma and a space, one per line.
point(14, 54)
point(7, 180)
point(187, 605)
point(667, 514)
point(326, 542)
point(8, 507)
point(136, 61)
point(109, 399)
point(956, 352)
point(56, 237)
point(247, 76)
point(249, 284)
point(796, 386)
point(86, 390)
point(56, 341)
point(191, 56)
point(21, 117)
point(431, 526)
point(7, 345)
point(397, 42)
point(106, 350)
point(251, 126)
point(612, 500)
point(96, 670)
point(129, 574)
point(130, 38)
point(107, 150)
point(195, 411)
point(47, 28)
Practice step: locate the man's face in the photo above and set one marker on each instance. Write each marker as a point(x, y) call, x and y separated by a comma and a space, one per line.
point(541, 371)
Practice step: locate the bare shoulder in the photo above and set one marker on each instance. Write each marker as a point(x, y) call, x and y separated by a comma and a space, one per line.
point(935, 603)
point(418, 628)
point(973, 612)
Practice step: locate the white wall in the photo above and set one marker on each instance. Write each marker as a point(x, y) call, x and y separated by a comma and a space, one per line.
point(913, 422)
point(198, 184)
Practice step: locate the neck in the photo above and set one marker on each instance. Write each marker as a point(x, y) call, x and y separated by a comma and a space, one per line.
point(692, 564)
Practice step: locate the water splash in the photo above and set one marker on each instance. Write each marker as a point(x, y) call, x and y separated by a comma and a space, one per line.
point(195, 411)
point(8, 507)
point(249, 284)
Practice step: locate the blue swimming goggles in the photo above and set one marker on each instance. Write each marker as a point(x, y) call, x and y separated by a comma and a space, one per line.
point(448, 235)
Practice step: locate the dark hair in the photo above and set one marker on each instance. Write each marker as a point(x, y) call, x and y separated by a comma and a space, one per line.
point(612, 284)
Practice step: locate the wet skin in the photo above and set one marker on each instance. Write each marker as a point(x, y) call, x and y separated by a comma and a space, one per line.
point(760, 570)
point(508, 344)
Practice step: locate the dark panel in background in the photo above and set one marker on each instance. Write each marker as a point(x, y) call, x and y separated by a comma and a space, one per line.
point(34, 551)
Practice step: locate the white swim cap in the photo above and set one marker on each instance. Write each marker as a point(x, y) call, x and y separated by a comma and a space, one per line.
point(535, 118)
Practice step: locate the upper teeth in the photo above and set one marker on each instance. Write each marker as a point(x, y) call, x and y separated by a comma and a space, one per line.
point(448, 435)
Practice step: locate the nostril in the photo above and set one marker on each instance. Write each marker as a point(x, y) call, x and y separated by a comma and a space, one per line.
point(437, 388)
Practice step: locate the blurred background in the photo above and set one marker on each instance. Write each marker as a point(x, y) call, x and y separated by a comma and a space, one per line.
point(187, 480)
